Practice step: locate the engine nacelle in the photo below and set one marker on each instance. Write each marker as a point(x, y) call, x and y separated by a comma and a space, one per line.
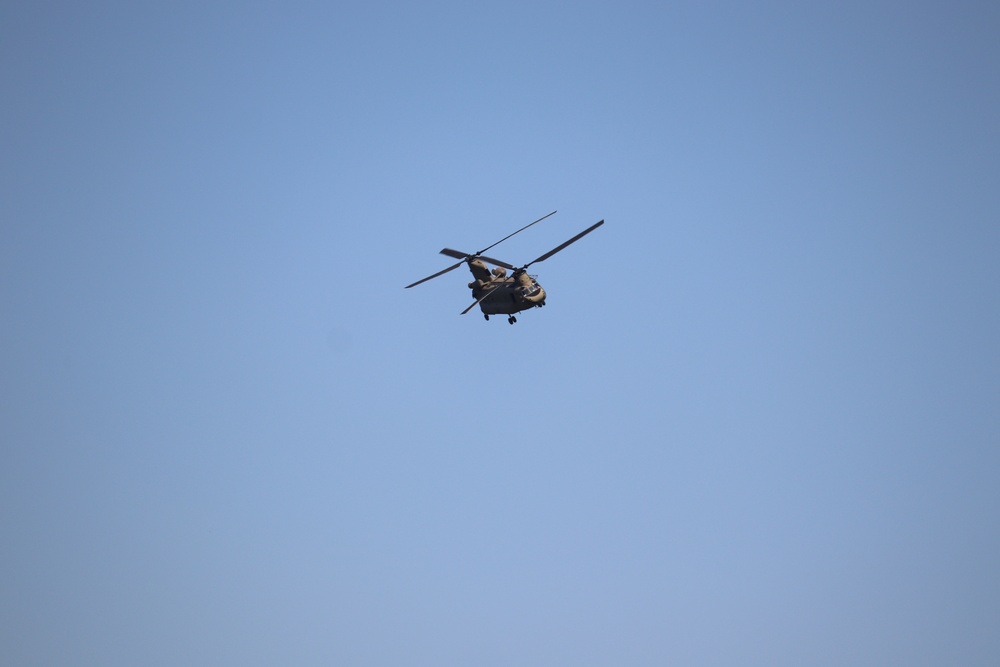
point(479, 284)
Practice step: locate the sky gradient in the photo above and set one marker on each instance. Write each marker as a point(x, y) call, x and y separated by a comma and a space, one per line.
point(758, 421)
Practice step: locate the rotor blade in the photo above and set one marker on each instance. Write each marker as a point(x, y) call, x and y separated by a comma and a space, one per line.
point(517, 232)
point(497, 262)
point(457, 254)
point(479, 300)
point(462, 256)
point(423, 280)
point(562, 246)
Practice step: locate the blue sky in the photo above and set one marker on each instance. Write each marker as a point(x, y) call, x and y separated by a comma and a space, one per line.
point(757, 422)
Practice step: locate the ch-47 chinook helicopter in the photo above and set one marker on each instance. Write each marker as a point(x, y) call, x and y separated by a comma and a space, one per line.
point(494, 291)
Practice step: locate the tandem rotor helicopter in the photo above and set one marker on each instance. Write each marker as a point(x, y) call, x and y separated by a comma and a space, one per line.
point(494, 291)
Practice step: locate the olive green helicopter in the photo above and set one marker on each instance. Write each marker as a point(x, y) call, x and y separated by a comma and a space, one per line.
point(494, 291)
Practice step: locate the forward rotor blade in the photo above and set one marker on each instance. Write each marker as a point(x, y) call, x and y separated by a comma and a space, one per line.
point(480, 299)
point(517, 232)
point(562, 246)
point(439, 273)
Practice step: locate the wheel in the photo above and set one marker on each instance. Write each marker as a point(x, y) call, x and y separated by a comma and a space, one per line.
point(511, 320)
point(486, 316)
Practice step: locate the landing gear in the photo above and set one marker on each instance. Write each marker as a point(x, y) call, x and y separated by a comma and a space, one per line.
point(511, 319)
point(486, 316)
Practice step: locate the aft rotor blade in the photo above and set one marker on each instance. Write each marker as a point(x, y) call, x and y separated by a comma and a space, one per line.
point(497, 262)
point(480, 299)
point(517, 232)
point(464, 257)
point(562, 246)
point(458, 254)
point(439, 273)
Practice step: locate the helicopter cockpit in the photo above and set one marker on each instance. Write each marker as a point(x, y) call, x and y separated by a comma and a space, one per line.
point(531, 290)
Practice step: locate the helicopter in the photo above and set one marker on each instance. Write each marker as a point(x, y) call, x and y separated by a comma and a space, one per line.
point(494, 291)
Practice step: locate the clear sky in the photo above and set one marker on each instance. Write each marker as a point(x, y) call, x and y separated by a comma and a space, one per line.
point(758, 422)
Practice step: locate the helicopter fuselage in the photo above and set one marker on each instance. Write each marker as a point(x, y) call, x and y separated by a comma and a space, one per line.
point(505, 295)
